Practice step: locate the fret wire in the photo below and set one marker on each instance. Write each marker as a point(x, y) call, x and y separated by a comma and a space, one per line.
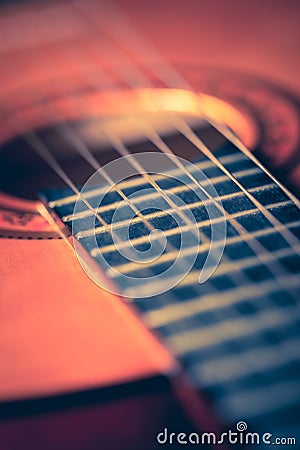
point(32, 138)
point(77, 143)
point(171, 256)
point(44, 152)
point(225, 268)
point(168, 314)
point(227, 133)
point(147, 197)
point(100, 230)
point(186, 130)
point(254, 244)
point(173, 231)
point(122, 150)
point(260, 250)
point(120, 147)
point(136, 182)
point(89, 160)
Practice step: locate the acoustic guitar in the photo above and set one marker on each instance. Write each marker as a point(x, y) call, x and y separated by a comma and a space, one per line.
point(149, 233)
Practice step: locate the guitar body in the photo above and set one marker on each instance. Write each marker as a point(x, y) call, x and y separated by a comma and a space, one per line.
point(48, 342)
point(78, 369)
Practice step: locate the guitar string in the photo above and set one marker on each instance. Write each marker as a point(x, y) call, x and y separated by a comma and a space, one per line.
point(173, 190)
point(279, 229)
point(287, 192)
point(173, 231)
point(79, 145)
point(118, 145)
point(232, 138)
point(44, 152)
point(255, 245)
point(69, 134)
point(137, 44)
point(162, 68)
point(76, 142)
point(177, 189)
point(123, 151)
point(173, 78)
point(41, 148)
point(73, 138)
point(88, 157)
point(137, 182)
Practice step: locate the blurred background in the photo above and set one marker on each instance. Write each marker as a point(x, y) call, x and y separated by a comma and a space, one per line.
point(259, 36)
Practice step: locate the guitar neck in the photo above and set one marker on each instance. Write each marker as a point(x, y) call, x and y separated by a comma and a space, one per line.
point(236, 335)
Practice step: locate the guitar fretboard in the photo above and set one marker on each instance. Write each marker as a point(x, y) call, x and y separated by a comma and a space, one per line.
point(237, 334)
